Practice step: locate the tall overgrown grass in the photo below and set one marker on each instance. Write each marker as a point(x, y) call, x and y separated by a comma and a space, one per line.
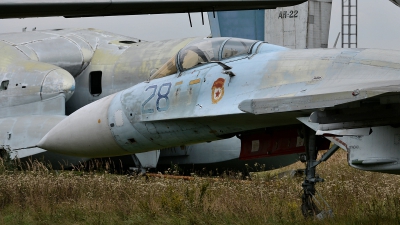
point(34, 194)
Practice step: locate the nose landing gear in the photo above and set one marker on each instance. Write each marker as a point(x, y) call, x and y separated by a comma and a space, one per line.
point(312, 202)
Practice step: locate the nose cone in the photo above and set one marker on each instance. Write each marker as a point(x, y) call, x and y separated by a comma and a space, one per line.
point(58, 81)
point(84, 133)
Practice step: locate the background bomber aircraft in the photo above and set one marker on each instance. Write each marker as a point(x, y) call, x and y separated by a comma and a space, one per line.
point(240, 87)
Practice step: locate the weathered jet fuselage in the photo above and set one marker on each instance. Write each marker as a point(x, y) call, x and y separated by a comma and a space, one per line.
point(204, 102)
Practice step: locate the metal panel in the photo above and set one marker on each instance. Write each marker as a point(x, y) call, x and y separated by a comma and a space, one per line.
point(287, 26)
point(69, 58)
point(280, 141)
point(28, 52)
point(318, 32)
point(221, 154)
point(29, 37)
point(25, 131)
point(52, 106)
point(300, 26)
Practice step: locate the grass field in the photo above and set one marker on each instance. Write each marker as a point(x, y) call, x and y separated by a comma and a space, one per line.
point(36, 195)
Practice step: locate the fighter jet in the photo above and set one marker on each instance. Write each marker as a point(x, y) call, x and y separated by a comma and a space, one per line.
point(74, 50)
point(219, 87)
point(95, 64)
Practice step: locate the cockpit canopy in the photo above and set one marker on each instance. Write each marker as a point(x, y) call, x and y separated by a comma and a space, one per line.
point(203, 51)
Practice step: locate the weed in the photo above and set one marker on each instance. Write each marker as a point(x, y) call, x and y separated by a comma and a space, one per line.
point(32, 193)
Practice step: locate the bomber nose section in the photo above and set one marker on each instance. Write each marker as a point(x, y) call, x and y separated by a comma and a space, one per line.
point(58, 81)
point(84, 133)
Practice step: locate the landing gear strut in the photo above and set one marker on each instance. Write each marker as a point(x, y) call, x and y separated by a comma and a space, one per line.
point(139, 168)
point(312, 202)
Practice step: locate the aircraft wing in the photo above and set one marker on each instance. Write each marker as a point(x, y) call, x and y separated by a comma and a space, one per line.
point(320, 100)
point(329, 109)
point(287, 104)
point(88, 8)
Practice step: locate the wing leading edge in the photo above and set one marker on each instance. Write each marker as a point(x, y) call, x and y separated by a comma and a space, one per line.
point(88, 8)
point(287, 104)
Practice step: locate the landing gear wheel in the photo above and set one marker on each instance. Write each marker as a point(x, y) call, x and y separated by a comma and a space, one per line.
point(308, 207)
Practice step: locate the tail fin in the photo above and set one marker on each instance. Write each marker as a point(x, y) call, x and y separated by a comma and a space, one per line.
point(242, 24)
point(300, 26)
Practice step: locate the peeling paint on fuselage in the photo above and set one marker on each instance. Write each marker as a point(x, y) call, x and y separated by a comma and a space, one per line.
point(123, 67)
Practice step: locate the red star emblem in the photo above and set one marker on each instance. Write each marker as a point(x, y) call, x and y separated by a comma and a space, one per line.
point(217, 94)
point(217, 90)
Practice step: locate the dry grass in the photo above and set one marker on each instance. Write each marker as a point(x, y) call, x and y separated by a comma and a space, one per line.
point(40, 196)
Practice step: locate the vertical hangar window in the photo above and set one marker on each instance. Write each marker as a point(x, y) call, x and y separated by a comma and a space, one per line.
point(95, 83)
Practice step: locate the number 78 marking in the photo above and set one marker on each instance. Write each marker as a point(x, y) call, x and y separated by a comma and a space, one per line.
point(160, 96)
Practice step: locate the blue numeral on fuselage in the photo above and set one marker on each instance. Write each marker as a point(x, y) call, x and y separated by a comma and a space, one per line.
point(163, 96)
point(144, 111)
point(160, 96)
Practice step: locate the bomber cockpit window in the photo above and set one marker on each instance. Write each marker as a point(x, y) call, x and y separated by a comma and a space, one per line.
point(95, 83)
point(203, 51)
point(237, 46)
point(4, 85)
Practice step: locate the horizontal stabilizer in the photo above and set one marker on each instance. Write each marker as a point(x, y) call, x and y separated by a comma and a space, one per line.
point(24, 152)
point(287, 104)
point(346, 132)
point(373, 161)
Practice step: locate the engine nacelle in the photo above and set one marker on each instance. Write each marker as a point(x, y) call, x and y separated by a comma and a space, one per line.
point(25, 81)
point(377, 152)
